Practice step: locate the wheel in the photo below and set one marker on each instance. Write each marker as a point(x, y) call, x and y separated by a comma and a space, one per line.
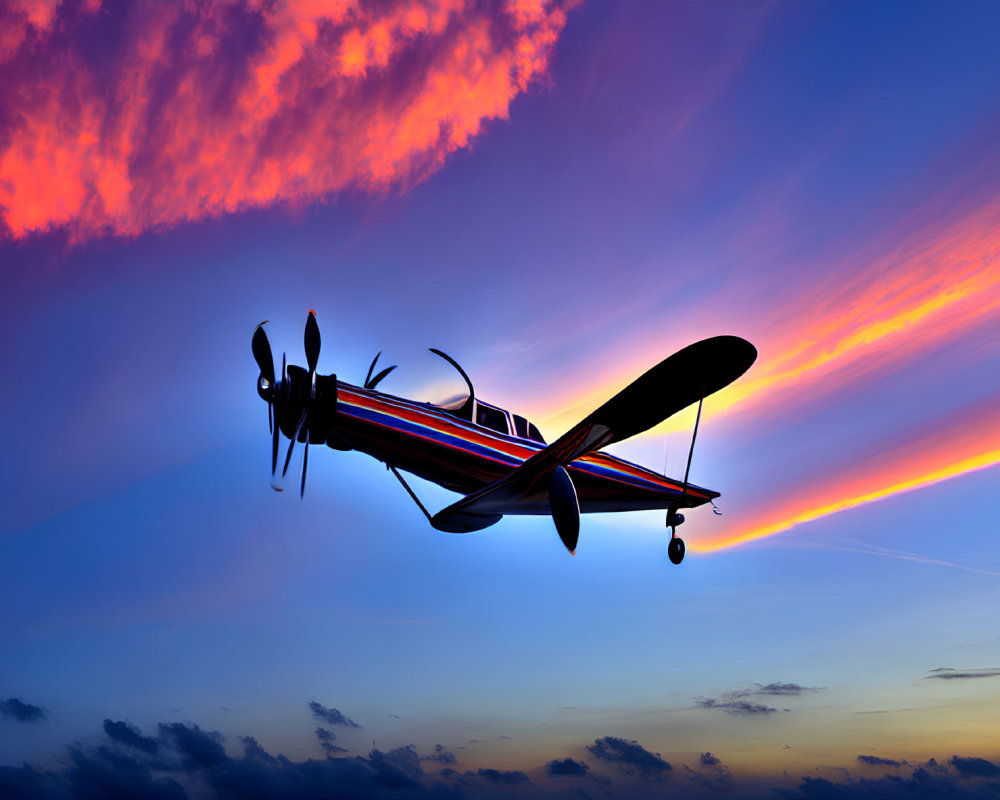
point(675, 550)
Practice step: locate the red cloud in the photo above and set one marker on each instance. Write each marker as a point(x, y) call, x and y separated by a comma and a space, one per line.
point(122, 122)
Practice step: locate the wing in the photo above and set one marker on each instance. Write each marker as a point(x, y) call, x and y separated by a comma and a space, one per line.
point(676, 382)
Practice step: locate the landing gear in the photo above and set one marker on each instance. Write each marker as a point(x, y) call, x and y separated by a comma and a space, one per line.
point(675, 548)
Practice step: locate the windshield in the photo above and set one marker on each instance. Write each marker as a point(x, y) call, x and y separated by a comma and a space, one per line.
point(492, 418)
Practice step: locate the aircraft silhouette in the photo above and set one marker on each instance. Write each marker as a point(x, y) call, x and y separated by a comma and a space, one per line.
point(497, 460)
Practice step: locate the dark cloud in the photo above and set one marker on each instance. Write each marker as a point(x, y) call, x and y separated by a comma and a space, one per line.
point(567, 766)
point(125, 734)
point(399, 768)
point(330, 715)
point(183, 761)
point(715, 776)
point(629, 755)
point(734, 702)
point(441, 755)
point(784, 689)
point(512, 778)
point(736, 707)
point(21, 711)
point(326, 740)
point(971, 780)
point(199, 748)
point(975, 766)
point(950, 674)
point(124, 765)
point(875, 761)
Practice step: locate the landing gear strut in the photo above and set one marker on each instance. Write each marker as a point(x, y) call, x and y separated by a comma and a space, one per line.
point(675, 548)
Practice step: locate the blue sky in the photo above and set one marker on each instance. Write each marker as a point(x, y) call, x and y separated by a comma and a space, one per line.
point(821, 179)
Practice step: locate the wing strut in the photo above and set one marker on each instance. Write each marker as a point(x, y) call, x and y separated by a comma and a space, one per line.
point(409, 491)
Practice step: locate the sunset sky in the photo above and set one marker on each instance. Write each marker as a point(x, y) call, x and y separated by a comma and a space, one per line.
point(559, 195)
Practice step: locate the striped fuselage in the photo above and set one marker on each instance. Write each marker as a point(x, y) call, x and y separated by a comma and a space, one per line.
point(427, 441)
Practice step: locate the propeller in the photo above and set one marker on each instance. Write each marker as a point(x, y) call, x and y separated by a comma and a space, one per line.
point(311, 341)
point(262, 355)
point(370, 382)
point(299, 397)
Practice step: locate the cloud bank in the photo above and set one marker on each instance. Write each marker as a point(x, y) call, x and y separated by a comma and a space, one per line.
point(183, 760)
point(126, 118)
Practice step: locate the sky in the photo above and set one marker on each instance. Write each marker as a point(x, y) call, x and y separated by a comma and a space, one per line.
point(559, 195)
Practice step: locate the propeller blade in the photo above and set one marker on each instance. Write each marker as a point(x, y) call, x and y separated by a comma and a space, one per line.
point(270, 419)
point(274, 448)
point(305, 463)
point(312, 341)
point(291, 445)
point(371, 368)
point(691, 451)
point(262, 353)
point(378, 378)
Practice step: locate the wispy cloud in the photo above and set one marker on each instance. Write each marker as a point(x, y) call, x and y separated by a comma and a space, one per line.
point(875, 761)
point(331, 715)
point(201, 110)
point(926, 456)
point(738, 708)
point(871, 316)
point(735, 702)
point(950, 674)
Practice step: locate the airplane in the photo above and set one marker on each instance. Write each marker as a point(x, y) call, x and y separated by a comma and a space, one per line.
point(499, 461)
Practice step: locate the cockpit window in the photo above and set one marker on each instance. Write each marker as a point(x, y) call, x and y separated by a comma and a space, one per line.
point(492, 418)
point(534, 433)
point(521, 426)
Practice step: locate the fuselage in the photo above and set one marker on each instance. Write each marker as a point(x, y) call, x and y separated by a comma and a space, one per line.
point(459, 455)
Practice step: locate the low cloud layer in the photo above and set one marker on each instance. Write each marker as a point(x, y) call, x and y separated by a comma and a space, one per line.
point(182, 761)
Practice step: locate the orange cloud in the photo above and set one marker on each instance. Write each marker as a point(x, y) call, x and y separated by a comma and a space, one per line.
point(928, 292)
point(942, 452)
point(181, 111)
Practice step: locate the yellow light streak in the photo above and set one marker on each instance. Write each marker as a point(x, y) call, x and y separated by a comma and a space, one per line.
point(789, 520)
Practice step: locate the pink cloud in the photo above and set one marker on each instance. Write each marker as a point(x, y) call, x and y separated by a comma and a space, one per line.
point(198, 111)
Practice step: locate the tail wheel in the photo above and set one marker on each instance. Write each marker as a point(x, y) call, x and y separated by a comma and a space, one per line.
point(675, 550)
